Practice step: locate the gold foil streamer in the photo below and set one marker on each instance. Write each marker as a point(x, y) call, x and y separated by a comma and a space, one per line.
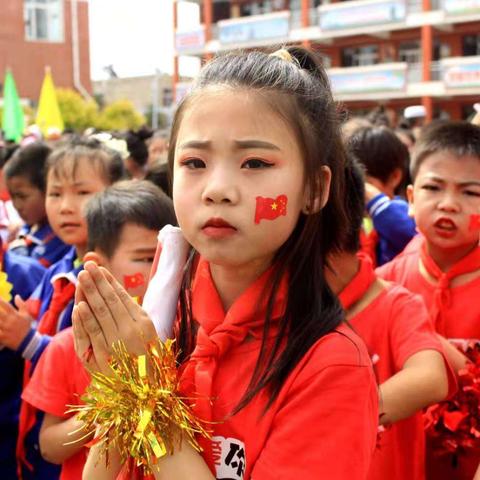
point(138, 408)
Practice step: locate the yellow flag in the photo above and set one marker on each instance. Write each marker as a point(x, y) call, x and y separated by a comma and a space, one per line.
point(48, 113)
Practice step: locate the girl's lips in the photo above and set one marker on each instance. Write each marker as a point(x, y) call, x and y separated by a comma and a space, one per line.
point(218, 228)
point(219, 232)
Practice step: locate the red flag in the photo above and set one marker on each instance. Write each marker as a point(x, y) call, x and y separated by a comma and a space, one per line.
point(474, 225)
point(133, 281)
point(270, 208)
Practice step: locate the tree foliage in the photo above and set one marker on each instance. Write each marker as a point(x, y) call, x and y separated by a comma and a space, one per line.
point(78, 113)
point(119, 115)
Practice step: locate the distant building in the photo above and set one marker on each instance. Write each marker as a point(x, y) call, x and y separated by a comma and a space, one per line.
point(141, 91)
point(394, 52)
point(39, 33)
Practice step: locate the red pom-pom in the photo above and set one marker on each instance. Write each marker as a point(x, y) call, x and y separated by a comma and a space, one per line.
point(453, 426)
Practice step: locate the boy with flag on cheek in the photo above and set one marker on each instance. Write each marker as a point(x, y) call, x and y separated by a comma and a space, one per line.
point(445, 268)
point(407, 356)
point(123, 223)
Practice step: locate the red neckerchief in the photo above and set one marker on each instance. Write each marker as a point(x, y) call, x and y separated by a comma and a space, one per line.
point(442, 296)
point(368, 245)
point(218, 333)
point(359, 284)
point(63, 293)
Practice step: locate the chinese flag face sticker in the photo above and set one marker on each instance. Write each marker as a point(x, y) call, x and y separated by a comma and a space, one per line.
point(270, 208)
point(474, 225)
point(133, 281)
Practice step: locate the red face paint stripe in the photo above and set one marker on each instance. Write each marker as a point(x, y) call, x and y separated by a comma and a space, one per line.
point(270, 208)
point(474, 225)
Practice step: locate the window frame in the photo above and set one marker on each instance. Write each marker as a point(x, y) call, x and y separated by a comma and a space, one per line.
point(50, 7)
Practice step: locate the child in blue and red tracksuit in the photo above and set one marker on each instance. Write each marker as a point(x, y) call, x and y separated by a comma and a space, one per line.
point(25, 179)
point(75, 172)
point(23, 274)
point(389, 227)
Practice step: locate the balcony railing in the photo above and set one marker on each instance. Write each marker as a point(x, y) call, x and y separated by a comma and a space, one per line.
point(461, 73)
point(326, 21)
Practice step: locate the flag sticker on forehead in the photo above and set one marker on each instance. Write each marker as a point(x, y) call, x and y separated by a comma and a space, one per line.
point(270, 208)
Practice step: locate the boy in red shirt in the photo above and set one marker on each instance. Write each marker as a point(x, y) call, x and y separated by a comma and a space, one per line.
point(445, 267)
point(406, 353)
point(123, 223)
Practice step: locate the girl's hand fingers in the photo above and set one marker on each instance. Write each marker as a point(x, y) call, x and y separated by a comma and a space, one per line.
point(79, 295)
point(86, 321)
point(83, 347)
point(110, 296)
point(98, 307)
point(141, 318)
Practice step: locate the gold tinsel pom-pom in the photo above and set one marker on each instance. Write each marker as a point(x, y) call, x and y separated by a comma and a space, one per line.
point(137, 408)
point(5, 287)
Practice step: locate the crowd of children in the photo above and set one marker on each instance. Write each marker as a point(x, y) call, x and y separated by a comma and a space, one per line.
point(328, 298)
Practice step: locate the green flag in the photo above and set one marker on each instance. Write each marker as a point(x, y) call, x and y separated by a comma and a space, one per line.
point(13, 122)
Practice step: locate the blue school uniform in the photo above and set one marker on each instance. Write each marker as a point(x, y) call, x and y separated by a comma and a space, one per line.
point(394, 226)
point(32, 348)
point(41, 243)
point(24, 274)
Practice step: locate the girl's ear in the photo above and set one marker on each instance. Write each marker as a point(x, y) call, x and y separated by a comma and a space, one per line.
point(411, 203)
point(322, 192)
point(93, 256)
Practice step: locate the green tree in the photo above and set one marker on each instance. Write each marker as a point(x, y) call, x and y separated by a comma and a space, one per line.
point(78, 113)
point(119, 115)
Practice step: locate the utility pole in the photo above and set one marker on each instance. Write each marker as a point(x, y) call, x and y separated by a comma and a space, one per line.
point(155, 99)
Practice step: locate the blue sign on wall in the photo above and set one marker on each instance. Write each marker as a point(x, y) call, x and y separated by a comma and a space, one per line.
point(362, 15)
point(253, 30)
point(364, 82)
point(462, 6)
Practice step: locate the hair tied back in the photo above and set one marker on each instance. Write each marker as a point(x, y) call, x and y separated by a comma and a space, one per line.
point(284, 54)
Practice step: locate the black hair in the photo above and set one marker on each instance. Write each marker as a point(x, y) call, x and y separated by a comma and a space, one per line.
point(354, 202)
point(159, 174)
point(137, 148)
point(29, 162)
point(7, 151)
point(64, 159)
point(378, 117)
point(380, 151)
point(458, 138)
point(132, 201)
point(299, 92)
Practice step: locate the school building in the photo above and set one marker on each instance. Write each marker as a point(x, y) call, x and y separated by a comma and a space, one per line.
point(39, 33)
point(392, 52)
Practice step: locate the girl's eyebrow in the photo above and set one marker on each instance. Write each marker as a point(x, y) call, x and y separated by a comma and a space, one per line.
point(239, 144)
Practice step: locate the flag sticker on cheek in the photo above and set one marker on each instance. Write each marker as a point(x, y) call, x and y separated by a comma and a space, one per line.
point(270, 208)
point(474, 225)
point(133, 281)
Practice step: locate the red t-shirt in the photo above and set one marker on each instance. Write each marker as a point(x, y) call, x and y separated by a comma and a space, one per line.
point(395, 326)
point(460, 319)
point(323, 423)
point(59, 380)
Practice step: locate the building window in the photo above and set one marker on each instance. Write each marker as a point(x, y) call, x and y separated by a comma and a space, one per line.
point(167, 97)
point(471, 45)
point(43, 20)
point(360, 56)
point(410, 52)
